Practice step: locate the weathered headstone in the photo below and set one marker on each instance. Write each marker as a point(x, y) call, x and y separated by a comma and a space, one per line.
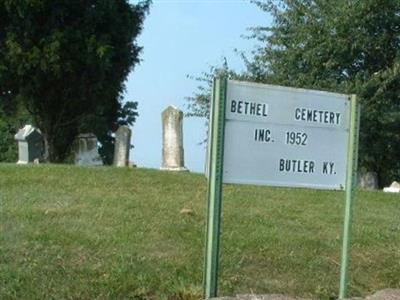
point(369, 181)
point(393, 188)
point(172, 152)
point(122, 146)
point(30, 144)
point(87, 153)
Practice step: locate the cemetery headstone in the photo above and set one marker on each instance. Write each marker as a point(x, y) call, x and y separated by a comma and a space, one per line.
point(87, 153)
point(30, 144)
point(122, 146)
point(369, 181)
point(172, 152)
point(393, 188)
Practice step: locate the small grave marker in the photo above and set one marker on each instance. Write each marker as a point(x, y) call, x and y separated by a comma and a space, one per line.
point(368, 181)
point(122, 146)
point(30, 144)
point(393, 188)
point(172, 150)
point(87, 153)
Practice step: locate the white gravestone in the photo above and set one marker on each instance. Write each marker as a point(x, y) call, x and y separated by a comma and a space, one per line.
point(87, 153)
point(393, 188)
point(172, 152)
point(122, 146)
point(369, 181)
point(30, 144)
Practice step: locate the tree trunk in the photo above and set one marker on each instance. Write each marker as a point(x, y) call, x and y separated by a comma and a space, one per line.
point(46, 149)
point(58, 150)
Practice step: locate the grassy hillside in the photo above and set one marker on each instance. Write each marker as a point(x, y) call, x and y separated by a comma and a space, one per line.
point(107, 233)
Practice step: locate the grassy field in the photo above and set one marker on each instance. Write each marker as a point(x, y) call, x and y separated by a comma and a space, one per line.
point(104, 233)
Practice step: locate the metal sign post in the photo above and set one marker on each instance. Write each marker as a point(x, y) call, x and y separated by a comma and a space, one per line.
point(216, 151)
point(278, 136)
point(351, 169)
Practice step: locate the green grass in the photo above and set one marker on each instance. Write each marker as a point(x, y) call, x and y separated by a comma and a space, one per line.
point(104, 233)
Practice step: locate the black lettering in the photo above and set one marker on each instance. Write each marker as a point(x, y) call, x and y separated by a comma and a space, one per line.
point(299, 167)
point(261, 135)
point(337, 118)
point(296, 165)
point(246, 105)
point(258, 109)
point(316, 116)
point(267, 135)
point(311, 167)
point(249, 108)
point(305, 166)
point(265, 110)
point(239, 107)
point(309, 116)
point(324, 168)
point(326, 116)
point(331, 164)
point(287, 165)
point(304, 142)
point(297, 114)
point(252, 108)
point(328, 168)
point(281, 165)
point(233, 106)
point(332, 118)
point(320, 115)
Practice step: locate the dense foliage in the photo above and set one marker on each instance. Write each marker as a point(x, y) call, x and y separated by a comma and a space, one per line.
point(66, 62)
point(340, 46)
point(8, 147)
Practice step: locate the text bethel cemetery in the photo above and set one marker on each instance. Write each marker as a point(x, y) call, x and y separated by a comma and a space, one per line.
point(252, 108)
point(300, 114)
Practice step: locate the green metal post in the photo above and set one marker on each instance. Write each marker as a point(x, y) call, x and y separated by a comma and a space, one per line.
point(350, 174)
point(216, 151)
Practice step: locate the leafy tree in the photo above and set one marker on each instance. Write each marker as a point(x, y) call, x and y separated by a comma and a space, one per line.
point(11, 120)
point(8, 149)
point(198, 104)
point(66, 61)
point(340, 46)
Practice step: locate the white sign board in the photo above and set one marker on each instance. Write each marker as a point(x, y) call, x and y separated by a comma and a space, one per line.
point(282, 136)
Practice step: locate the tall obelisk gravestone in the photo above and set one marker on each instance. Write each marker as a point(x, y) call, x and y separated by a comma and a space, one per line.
point(172, 152)
point(122, 146)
